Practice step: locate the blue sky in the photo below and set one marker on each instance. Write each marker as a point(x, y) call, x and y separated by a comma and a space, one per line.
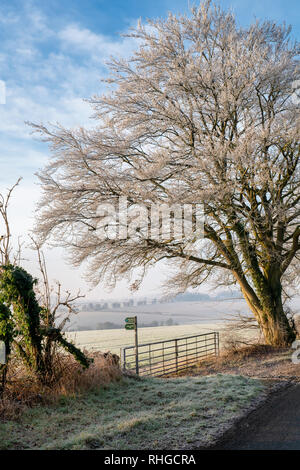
point(52, 55)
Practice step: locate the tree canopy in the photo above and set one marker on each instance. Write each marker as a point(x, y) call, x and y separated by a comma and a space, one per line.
point(203, 112)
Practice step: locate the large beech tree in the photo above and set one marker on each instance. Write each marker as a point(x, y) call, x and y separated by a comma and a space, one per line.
point(203, 111)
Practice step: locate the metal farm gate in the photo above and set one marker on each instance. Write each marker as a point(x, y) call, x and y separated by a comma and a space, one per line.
point(166, 357)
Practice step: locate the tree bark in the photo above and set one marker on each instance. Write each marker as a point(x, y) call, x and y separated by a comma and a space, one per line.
point(276, 328)
point(265, 302)
point(272, 319)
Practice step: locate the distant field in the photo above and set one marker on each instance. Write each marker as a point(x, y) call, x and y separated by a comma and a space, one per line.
point(211, 317)
point(182, 313)
point(114, 340)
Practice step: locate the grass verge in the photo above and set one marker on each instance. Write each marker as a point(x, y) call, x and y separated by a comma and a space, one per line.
point(174, 413)
point(23, 390)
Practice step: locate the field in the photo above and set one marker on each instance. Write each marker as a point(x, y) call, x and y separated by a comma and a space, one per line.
point(186, 412)
point(115, 340)
point(151, 413)
point(182, 313)
point(192, 318)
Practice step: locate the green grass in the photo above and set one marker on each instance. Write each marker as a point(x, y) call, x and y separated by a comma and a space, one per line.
point(177, 413)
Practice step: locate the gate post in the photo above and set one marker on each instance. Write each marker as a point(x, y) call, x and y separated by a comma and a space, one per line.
point(124, 357)
point(217, 343)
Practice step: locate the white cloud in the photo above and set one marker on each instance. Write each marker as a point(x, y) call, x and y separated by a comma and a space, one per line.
point(40, 105)
point(82, 39)
point(98, 46)
point(8, 17)
point(46, 84)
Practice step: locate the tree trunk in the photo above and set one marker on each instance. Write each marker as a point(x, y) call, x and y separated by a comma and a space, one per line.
point(276, 328)
point(273, 321)
point(268, 310)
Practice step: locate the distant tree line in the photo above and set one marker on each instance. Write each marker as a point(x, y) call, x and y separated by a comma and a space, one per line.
point(186, 297)
point(112, 326)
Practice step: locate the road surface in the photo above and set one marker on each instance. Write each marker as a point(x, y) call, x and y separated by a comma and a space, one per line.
point(274, 426)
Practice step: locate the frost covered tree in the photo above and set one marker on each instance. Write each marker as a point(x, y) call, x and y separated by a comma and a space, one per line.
point(203, 111)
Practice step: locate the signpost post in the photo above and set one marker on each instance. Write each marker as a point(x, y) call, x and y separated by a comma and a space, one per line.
point(2, 353)
point(131, 324)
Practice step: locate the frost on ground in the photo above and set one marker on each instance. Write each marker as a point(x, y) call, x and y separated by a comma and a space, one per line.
point(177, 413)
point(258, 361)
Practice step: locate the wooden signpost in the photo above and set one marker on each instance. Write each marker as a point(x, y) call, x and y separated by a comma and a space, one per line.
point(131, 324)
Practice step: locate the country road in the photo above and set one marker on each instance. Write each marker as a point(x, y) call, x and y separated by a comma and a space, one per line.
point(274, 426)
